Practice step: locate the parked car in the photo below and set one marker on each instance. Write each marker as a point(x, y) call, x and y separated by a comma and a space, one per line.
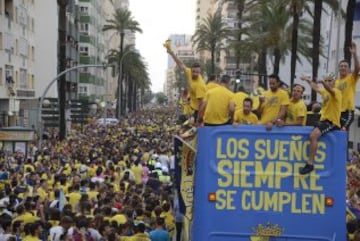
point(107, 121)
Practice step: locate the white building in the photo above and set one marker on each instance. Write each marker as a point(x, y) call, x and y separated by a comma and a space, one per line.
point(17, 57)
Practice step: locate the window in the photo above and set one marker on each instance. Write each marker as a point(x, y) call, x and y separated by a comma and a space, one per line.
point(32, 83)
point(84, 50)
point(1, 74)
point(83, 90)
point(33, 53)
point(23, 79)
point(84, 10)
point(9, 74)
point(16, 47)
point(84, 28)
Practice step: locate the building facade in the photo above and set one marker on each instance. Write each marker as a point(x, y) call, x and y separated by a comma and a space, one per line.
point(17, 58)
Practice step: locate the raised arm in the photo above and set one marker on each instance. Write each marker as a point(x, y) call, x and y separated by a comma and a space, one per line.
point(353, 52)
point(178, 61)
point(312, 84)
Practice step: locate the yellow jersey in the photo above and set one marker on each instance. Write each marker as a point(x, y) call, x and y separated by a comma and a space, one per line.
point(347, 86)
point(296, 110)
point(217, 105)
point(197, 89)
point(331, 107)
point(272, 105)
point(241, 118)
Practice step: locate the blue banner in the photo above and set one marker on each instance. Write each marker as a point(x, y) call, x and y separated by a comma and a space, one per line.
point(260, 194)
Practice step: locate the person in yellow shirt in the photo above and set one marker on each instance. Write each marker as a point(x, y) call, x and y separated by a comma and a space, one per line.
point(245, 116)
point(211, 82)
point(218, 106)
point(239, 98)
point(347, 85)
point(330, 116)
point(274, 103)
point(195, 81)
point(296, 111)
point(184, 102)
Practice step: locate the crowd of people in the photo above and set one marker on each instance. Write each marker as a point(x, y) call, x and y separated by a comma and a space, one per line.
point(104, 182)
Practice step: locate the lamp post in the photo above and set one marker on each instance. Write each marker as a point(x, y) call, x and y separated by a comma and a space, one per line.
point(48, 87)
point(119, 89)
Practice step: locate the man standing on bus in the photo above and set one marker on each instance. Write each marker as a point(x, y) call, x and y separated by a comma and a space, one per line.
point(274, 103)
point(296, 111)
point(218, 106)
point(347, 85)
point(330, 115)
point(195, 81)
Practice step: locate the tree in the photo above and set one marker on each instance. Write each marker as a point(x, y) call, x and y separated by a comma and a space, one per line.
point(135, 74)
point(161, 98)
point(318, 8)
point(210, 36)
point(122, 20)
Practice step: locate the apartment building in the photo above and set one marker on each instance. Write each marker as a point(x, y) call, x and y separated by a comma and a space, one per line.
point(97, 83)
point(17, 57)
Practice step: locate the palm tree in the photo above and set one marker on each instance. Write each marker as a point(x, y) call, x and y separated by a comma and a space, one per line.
point(270, 30)
point(135, 74)
point(318, 8)
point(121, 22)
point(350, 11)
point(210, 36)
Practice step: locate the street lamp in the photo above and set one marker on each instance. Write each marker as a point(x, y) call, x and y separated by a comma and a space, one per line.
point(41, 103)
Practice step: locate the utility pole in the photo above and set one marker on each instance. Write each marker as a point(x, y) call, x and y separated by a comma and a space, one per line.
point(62, 66)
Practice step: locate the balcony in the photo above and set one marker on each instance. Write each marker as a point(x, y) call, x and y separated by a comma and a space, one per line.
point(25, 93)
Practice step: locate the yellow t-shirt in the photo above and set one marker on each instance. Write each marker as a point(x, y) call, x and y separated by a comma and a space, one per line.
point(119, 219)
point(74, 198)
point(239, 98)
point(137, 170)
point(185, 106)
point(331, 106)
point(31, 238)
point(272, 105)
point(211, 85)
point(294, 111)
point(26, 218)
point(347, 86)
point(197, 89)
point(255, 97)
point(217, 107)
point(242, 119)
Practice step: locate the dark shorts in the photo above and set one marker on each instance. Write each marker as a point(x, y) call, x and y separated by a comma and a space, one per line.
point(326, 126)
point(347, 117)
point(226, 123)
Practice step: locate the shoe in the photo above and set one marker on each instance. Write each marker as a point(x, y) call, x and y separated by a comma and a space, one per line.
point(306, 169)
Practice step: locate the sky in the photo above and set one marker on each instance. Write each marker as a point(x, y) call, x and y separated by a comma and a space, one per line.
point(159, 19)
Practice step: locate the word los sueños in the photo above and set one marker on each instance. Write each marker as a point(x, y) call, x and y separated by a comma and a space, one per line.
point(295, 149)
